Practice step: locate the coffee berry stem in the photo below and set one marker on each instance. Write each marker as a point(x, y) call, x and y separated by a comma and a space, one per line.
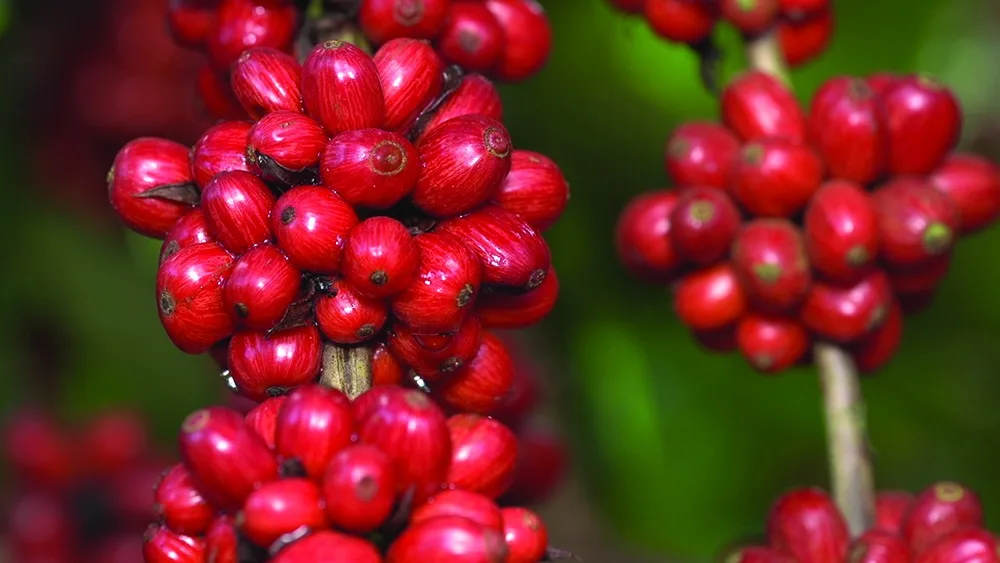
point(851, 474)
point(347, 369)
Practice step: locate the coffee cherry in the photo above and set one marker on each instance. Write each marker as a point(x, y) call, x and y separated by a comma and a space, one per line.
point(804, 40)
point(347, 317)
point(967, 544)
point(189, 230)
point(920, 279)
point(237, 208)
point(841, 231)
point(328, 547)
point(846, 314)
point(266, 80)
point(483, 454)
point(448, 538)
point(145, 164)
point(700, 153)
point(710, 299)
point(387, 369)
point(310, 225)
point(180, 505)
point(680, 20)
point(189, 22)
point(359, 489)
point(464, 161)
point(314, 423)
point(412, 76)
point(527, 38)
point(720, 340)
point(370, 167)
point(445, 286)
point(260, 287)
point(36, 449)
point(769, 257)
point(703, 225)
point(434, 356)
point(380, 257)
point(806, 524)
point(227, 460)
point(534, 189)
point(880, 82)
point(221, 541)
point(776, 178)
point(844, 127)
point(242, 24)
point(281, 507)
point(938, 511)
point(973, 184)
point(340, 87)
point(288, 139)
point(475, 96)
point(222, 148)
point(189, 294)
point(922, 120)
point(877, 546)
point(916, 222)
point(629, 6)
point(890, 508)
point(541, 465)
point(501, 310)
point(482, 384)
point(875, 350)
point(456, 502)
point(215, 95)
point(525, 534)
point(472, 37)
point(382, 20)
point(799, 9)
point(771, 344)
point(756, 554)
point(265, 364)
point(161, 545)
point(263, 418)
point(643, 237)
point(758, 106)
point(750, 16)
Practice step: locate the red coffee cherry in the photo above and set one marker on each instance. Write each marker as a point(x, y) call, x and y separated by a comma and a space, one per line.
point(973, 184)
point(541, 465)
point(216, 96)
point(720, 340)
point(263, 419)
point(875, 350)
point(483, 454)
point(260, 287)
point(758, 106)
point(680, 20)
point(310, 225)
point(314, 423)
point(412, 76)
point(799, 9)
point(189, 297)
point(939, 510)
point(380, 257)
point(237, 208)
point(527, 38)
point(434, 356)
point(844, 127)
point(643, 237)
point(967, 544)
point(482, 384)
point(341, 89)
point(804, 40)
point(701, 153)
point(142, 167)
point(322, 545)
point(501, 310)
point(281, 507)
point(222, 148)
point(920, 279)
point(161, 545)
point(769, 257)
point(370, 167)
point(189, 230)
point(847, 314)
point(456, 502)
point(472, 37)
point(710, 299)
point(916, 222)
point(190, 23)
point(227, 460)
point(923, 121)
point(288, 139)
point(776, 178)
point(880, 82)
point(382, 20)
point(266, 80)
point(347, 317)
point(36, 449)
point(772, 344)
point(221, 540)
point(703, 224)
point(525, 534)
point(534, 189)
point(387, 369)
point(475, 96)
point(359, 489)
point(265, 364)
point(890, 508)
point(448, 538)
point(806, 524)
point(750, 16)
point(180, 504)
point(755, 554)
point(878, 546)
point(116, 441)
point(242, 24)
point(629, 6)
point(841, 231)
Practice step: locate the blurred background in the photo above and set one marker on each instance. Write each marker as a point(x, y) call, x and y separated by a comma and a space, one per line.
point(675, 453)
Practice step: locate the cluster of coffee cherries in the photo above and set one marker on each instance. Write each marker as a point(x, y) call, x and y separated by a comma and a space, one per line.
point(942, 524)
point(76, 495)
point(803, 27)
point(790, 227)
point(314, 477)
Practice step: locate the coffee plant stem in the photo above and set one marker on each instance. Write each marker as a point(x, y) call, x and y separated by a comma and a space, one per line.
point(347, 370)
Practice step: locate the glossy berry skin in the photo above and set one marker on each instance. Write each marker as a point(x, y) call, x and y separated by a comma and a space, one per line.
point(643, 237)
point(534, 189)
point(922, 120)
point(189, 230)
point(141, 165)
point(310, 225)
point(769, 257)
point(328, 547)
point(387, 369)
point(222, 148)
point(281, 507)
point(841, 231)
point(314, 423)
point(973, 184)
point(701, 153)
point(483, 454)
point(939, 510)
point(481, 385)
point(237, 208)
point(703, 224)
point(435, 356)
point(771, 344)
point(263, 418)
point(916, 222)
point(190, 23)
point(679, 20)
point(456, 502)
point(890, 509)
point(877, 546)
point(525, 534)
point(264, 365)
point(161, 545)
point(412, 76)
point(776, 177)
point(881, 82)
point(802, 41)
point(876, 349)
point(750, 17)
point(502, 310)
point(444, 289)
point(844, 127)
point(189, 297)
point(448, 538)
point(472, 37)
point(758, 554)
point(806, 524)
point(464, 161)
point(475, 95)
point(758, 106)
point(180, 505)
point(341, 89)
point(267, 80)
point(710, 299)
point(968, 544)
point(221, 540)
point(226, 459)
point(242, 24)
point(370, 167)
point(527, 38)
point(260, 287)
point(382, 20)
point(380, 257)
point(289, 139)
point(846, 314)
point(359, 488)
point(348, 317)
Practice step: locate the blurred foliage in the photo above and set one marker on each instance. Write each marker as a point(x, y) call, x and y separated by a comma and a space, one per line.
point(682, 451)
